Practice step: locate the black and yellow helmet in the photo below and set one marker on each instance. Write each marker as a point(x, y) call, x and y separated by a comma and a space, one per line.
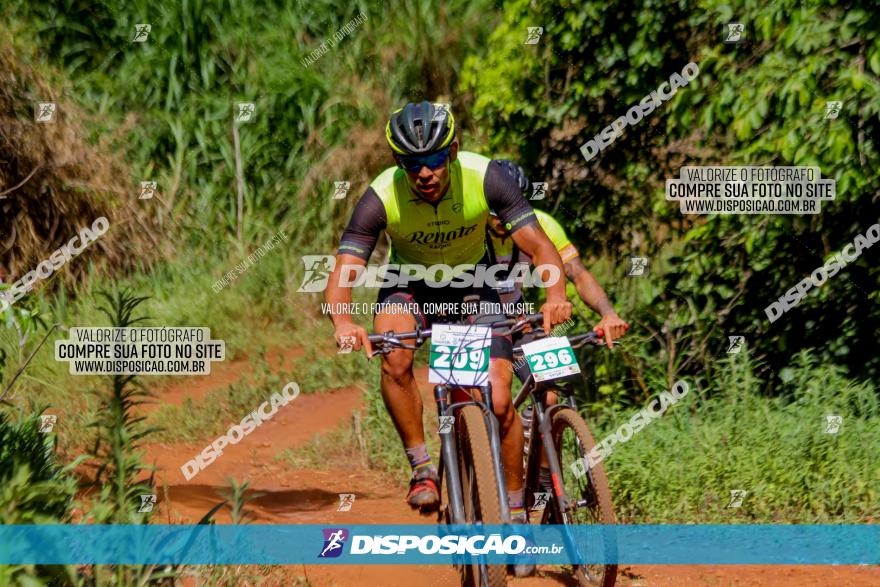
point(420, 129)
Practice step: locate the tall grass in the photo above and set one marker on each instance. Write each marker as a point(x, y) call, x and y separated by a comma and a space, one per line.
point(120, 430)
point(34, 489)
point(682, 467)
point(177, 92)
point(255, 312)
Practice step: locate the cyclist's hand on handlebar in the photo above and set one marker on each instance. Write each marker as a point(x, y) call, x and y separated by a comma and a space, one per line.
point(360, 334)
point(612, 327)
point(555, 313)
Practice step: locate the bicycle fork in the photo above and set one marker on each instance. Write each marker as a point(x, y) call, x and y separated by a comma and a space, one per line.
point(449, 453)
point(543, 424)
point(449, 459)
point(542, 419)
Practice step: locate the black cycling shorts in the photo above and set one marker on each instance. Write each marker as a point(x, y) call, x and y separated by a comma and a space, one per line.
point(418, 293)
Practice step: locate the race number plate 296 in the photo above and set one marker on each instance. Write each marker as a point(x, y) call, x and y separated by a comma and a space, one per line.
point(550, 358)
point(460, 354)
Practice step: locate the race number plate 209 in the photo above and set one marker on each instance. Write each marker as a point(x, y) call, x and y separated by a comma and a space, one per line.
point(460, 354)
point(550, 358)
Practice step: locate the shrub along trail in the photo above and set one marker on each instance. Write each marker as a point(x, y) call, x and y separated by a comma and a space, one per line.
point(310, 496)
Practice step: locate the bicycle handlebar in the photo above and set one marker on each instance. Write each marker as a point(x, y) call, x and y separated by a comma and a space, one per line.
point(576, 340)
point(513, 324)
point(391, 340)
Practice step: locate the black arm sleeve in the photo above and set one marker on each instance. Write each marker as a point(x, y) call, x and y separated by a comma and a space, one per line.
point(505, 198)
point(364, 228)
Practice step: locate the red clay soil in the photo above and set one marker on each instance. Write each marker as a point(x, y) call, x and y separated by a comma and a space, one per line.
point(300, 496)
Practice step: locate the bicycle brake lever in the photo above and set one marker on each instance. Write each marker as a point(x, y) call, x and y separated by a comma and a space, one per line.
point(381, 351)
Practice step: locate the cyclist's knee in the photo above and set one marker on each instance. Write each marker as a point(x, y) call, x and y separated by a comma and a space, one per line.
point(501, 375)
point(397, 366)
point(502, 405)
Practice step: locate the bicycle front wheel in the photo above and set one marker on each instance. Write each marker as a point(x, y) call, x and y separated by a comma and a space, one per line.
point(480, 490)
point(588, 494)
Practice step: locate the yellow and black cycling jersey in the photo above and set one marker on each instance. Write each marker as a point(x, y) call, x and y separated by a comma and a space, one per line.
point(451, 231)
point(504, 251)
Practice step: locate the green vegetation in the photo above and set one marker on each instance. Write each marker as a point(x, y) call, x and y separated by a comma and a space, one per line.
point(730, 435)
point(761, 103)
point(36, 490)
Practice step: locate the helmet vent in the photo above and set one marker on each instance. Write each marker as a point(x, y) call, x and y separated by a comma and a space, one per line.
point(420, 128)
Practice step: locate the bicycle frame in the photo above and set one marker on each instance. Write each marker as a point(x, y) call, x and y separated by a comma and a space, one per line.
point(449, 449)
point(448, 406)
point(449, 402)
point(540, 437)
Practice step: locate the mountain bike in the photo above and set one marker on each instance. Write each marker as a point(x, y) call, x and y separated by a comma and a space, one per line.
point(580, 492)
point(470, 450)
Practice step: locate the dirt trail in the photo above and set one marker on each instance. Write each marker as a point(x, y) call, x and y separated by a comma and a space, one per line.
point(309, 496)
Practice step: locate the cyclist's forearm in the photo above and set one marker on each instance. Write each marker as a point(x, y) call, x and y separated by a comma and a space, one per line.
point(592, 293)
point(339, 318)
point(337, 298)
point(548, 255)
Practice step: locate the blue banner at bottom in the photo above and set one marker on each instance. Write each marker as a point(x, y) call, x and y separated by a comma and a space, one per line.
point(442, 545)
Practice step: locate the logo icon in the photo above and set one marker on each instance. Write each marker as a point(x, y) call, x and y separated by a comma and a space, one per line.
point(736, 498)
point(245, 112)
point(832, 109)
point(334, 539)
point(541, 501)
point(735, 32)
point(346, 345)
point(147, 503)
point(318, 268)
point(534, 35)
point(47, 423)
point(735, 344)
point(832, 424)
point(441, 111)
point(637, 266)
point(148, 190)
point(446, 423)
point(45, 112)
point(141, 32)
point(340, 189)
point(346, 500)
point(539, 190)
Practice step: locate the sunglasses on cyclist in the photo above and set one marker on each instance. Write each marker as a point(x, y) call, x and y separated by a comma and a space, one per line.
point(432, 161)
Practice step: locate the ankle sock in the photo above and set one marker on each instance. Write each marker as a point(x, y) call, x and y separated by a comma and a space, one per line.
point(516, 502)
point(419, 458)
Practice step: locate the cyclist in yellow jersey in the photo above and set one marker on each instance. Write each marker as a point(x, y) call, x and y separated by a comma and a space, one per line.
point(505, 251)
point(434, 207)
